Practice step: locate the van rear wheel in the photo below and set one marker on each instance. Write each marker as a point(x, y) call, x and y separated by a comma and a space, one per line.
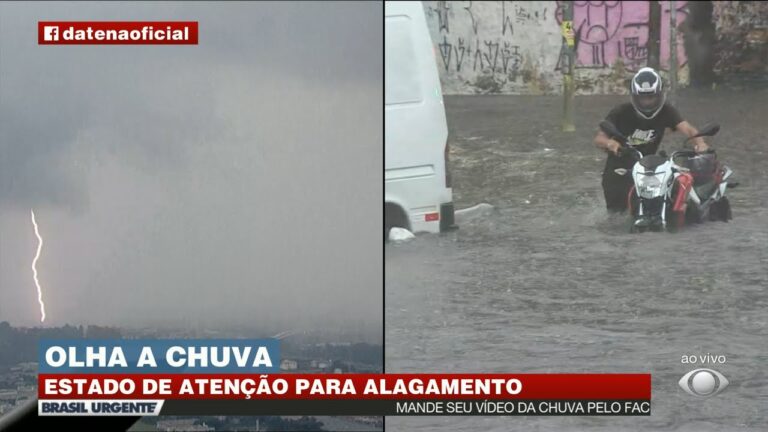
point(394, 216)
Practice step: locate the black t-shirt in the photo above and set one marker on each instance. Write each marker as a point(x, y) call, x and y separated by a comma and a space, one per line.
point(642, 134)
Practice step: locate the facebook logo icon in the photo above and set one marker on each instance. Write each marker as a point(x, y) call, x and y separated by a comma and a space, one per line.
point(50, 33)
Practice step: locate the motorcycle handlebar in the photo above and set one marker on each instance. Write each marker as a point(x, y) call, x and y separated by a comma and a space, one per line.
point(626, 150)
point(613, 133)
point(691, 153)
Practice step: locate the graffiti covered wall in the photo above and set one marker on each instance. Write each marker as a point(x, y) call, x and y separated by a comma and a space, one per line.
point(741, 47)
point(515, 47)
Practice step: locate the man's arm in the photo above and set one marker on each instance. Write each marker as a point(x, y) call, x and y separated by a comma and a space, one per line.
point(606, 143)
point(688, 130)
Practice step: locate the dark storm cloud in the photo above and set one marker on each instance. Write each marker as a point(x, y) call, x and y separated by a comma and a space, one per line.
point(158, 100)
point(237, 181)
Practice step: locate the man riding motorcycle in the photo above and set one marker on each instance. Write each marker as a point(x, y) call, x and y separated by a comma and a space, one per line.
point(643, 120)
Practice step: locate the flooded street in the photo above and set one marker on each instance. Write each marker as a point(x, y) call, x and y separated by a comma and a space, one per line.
point(548, 282)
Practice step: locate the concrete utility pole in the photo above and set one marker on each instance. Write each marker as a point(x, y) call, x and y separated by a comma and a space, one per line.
point(568, 84)
point(672, 51)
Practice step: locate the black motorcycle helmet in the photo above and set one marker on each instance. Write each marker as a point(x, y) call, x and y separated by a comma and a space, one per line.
point(647, 93)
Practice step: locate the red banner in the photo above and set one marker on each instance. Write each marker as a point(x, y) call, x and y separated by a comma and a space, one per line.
point(347, 386)
point(117, 32)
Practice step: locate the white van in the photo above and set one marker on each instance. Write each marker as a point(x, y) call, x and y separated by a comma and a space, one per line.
point(418, 193)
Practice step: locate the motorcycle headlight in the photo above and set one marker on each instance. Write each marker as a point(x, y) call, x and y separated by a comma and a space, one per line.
point(648, 186)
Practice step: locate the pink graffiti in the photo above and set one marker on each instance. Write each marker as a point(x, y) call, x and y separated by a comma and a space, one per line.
point(612, 30)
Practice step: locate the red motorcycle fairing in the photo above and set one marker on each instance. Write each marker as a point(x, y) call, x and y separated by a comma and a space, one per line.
point(684, 183)
point(719, 171)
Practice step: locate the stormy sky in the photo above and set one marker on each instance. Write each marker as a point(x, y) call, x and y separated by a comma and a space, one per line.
point(236, 182)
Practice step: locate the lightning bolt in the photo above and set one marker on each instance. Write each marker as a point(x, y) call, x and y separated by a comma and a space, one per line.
point(34, 268)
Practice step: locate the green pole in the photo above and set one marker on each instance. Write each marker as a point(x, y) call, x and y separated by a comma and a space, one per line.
point(568, 84)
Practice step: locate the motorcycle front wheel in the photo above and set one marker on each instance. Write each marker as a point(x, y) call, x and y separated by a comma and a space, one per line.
point(675, 221)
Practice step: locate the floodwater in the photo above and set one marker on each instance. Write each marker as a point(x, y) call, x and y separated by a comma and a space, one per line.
point(550, 283)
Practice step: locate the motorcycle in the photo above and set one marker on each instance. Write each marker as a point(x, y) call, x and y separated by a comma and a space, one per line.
point(671, 191)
